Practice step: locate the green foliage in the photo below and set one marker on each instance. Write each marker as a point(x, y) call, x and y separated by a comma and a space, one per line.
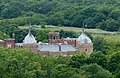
point(66, 34)
point(10, 12)
point(62, 71)
point(99, 58)
point(18, 63)
point(42, 35)
point(23, 63)
point(43, 26)
point(100, 44)
point(117, 75)
point(93, 13)
point(78, 60)
point(114, 63)
point(96, 71)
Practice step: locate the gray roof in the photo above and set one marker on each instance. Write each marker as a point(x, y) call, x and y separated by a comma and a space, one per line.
point(18, 44)
point(68, 38)
point(67, 48)
point(56, 48)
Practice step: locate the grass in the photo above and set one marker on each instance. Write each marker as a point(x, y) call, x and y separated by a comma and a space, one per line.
point(75, 29)
point(111, 36)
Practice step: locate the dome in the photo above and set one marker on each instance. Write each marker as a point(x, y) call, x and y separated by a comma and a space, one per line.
point(29, 39)
point(84, 39)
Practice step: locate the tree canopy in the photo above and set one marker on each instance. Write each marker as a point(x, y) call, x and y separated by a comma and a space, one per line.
point(23, 63)
point(103, 14)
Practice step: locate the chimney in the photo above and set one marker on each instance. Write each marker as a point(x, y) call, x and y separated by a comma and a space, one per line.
point(13, 35)
point(59, 47)
point(4, 35)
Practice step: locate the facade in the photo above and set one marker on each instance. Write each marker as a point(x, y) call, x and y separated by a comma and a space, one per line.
point(8, 42)
point(56, 46)
point(82, 43)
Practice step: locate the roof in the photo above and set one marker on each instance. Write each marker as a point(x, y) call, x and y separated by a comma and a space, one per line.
point(68, 38)
point(18, 44)
point(29, 39)
point(56, 48)
point(67, 48)
point(84, 39)
point(1, 41)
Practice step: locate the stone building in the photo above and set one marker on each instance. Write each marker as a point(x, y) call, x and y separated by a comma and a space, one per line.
point(29, 42)
point(82, 43)
point(58, 46)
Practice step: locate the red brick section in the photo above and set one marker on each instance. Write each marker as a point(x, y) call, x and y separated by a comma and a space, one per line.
point(71, 42)
point(2, 44)
point(54, 38)
point(10, 42)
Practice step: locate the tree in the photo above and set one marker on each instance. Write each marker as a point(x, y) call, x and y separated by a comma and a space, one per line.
point(95, 71)
point(112, 25)
point(10, 12)
point(78, 60)
point(102, 25)
point(68, 72)
point(42, 35)
point(66, 34)
point(105, 10)
point(77, 20)
point(99, 17)
point(117, 75)
point(56, 19)
point(99, 58)
point(100, 44)
point(115, 14)
point(90, 22)
point(114, 62)
point(18, 63)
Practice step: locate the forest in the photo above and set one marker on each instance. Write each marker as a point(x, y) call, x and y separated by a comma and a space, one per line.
point(23, 63)
point(102, 14)
point(104, 62)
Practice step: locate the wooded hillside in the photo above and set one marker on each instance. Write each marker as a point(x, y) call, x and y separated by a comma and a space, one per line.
point(103, 14)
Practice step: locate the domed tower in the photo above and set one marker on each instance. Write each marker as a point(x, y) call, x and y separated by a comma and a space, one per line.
point(30, 42)
point(84, 43)
point(29, 39)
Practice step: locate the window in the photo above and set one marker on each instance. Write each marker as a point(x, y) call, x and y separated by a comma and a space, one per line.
point(86, 41)
point(9, 45)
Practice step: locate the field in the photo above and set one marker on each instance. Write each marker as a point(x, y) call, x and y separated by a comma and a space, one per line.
point(111, 36)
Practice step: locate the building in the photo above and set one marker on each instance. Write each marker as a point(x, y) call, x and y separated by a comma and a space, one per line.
point(82, 43)
point(29, 39)
point(56, 46)
point(8, 42)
